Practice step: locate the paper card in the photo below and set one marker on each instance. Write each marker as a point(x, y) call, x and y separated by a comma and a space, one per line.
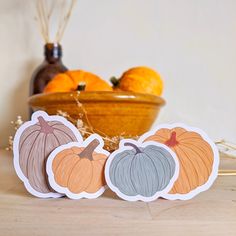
point(141, 170)
point(77, 169)
point(33, 142)
point(198, 157)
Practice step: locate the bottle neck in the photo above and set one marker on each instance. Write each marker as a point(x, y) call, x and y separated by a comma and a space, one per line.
point(53, 53)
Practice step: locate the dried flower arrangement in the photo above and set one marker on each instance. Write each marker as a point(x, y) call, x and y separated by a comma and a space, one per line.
point(16, 124)
point(85, 128)
point(111, 143)
point(53, 12)
point(57, 12)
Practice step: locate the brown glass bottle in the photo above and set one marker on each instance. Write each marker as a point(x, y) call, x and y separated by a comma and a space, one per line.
point(51, 66)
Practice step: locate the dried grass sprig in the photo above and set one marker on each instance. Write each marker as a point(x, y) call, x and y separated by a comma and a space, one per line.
point(40, 20)
point(86, 128)
point(65, 21)
point(44, 17)
point(110, 143)
point(226, 147)
point(226, 144)
point(45, 11)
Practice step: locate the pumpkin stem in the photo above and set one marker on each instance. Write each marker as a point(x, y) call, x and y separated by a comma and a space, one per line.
point(81, 86)
point(45, 127)
point(88, 151)
point(172, 141)
point(134, 146)
point(114, 81)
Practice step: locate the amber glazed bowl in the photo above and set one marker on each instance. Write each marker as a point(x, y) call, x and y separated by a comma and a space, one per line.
point(111, 114)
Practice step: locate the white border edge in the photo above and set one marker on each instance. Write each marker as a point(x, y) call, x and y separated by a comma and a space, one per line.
point(216, 162)
point(163, 193)
point(16, 141)
point(64, 190)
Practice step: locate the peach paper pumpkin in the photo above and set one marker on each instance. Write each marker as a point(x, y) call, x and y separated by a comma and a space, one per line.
point(78, 170)
point(195, 154)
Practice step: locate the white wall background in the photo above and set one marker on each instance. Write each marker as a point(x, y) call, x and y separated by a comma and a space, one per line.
point(192, 43)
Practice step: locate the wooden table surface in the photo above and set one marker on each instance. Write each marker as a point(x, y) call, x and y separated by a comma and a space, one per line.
point(210, 213)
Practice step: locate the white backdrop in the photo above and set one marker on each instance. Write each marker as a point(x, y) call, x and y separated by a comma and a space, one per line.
point(192, 43)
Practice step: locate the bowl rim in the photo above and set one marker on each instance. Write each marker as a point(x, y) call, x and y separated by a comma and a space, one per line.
point(96, 96)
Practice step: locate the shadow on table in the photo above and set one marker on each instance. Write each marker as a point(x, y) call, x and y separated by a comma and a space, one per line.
point(109, 194)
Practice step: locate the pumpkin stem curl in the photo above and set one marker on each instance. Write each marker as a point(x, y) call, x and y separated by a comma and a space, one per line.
point(172, 141)
point(114, 81)
point(45, 127)
point(88, 151)
point(134, 146)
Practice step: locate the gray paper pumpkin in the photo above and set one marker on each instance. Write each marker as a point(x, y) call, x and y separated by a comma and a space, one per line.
point(35, 144)
point(142, 171)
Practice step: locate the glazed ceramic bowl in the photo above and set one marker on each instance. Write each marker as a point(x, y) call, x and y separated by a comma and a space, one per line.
point(111, 114)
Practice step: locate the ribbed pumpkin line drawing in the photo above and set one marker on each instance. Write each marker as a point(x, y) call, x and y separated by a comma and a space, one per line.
point(195, 155)
point(35, 144)
point(142, 170)
point(79, 169)
point(171, 167)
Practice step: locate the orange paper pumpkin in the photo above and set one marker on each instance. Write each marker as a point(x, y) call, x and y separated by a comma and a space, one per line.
point(70, 80)
point(80, 169)
point(195, 156)
point(141, 80)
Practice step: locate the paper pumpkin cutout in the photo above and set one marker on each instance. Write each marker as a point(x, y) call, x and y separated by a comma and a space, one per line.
point(141, 171)
point(197, 154)
point(33, 143)
point(77, 170)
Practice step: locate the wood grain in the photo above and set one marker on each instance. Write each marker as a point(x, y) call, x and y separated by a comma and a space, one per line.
point(210, 213)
